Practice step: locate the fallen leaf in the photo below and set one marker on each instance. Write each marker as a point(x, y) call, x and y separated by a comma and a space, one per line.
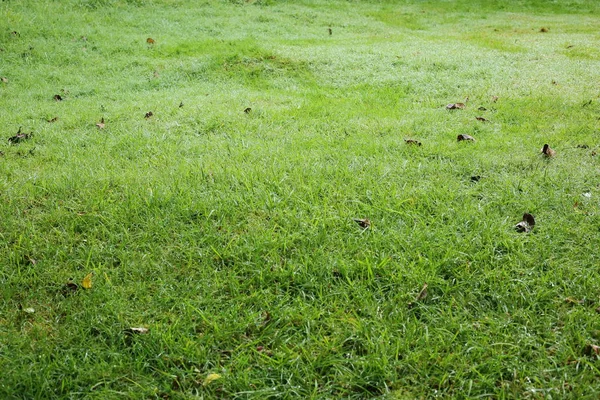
point(547, 151)
point(150, 41)
point(247, 110)
point(494, 99)
point(527, 224)
point(364, 223)
point(57, 97)
point(87, 281)
point(544, 30)
point(101, 124)
point(412, 141)
point(19, 137)
point(462, 137)
point(455, 106)
point(4, 79)
point(211, 378)
point(481, 119)
point(53, 119)
point(137, 331)
point(148, 114)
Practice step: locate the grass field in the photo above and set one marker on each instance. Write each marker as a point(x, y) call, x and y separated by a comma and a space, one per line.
point(224, 221)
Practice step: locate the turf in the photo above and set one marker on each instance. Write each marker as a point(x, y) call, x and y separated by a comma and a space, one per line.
point(224, 222)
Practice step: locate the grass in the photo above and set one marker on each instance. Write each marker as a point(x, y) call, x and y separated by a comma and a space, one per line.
point(230, 234)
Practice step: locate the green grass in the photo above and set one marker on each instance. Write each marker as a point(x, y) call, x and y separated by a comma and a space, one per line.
point(230, 235)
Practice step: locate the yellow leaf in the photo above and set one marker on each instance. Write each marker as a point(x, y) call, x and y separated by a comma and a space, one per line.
point(87, 281)
point(211, 377)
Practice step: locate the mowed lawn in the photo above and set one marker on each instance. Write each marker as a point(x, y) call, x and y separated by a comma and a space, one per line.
point(267, 199)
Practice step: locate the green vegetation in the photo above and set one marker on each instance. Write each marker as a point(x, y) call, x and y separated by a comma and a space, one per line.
point(230, 234)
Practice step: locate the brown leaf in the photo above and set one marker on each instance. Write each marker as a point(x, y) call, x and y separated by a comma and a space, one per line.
point(364, 223)
point(53, 119)
point(462, 137)
point(547, 151)
point(544, 30)
point(57, 97)
point(148, 114)
point(527, 224)
point(150, 41)
point(494, 99)
point(482, 119)
point(412, 141)
point(136, 331)
point(4, 79)
point(101, 124)
point(455, 106)
point(247, 110)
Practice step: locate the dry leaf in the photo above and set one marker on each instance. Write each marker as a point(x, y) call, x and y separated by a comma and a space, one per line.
point(87, 281)
point(57, 97)
point(101, 124)
point(137, 331)
point(547, 151)
point(494, 99)
point(481, 119)
point(19, 137)
point(247, 110)
point(211, 378)
point(150, 41)
point(412, 141)
point(29, 310)
point(148, 114)
point(462, 137)
point(364, 223)
point(4, 79)
point(455, 106)
point(527, 224)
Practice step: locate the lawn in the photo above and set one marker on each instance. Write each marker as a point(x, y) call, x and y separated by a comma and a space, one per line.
point(267, 199)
